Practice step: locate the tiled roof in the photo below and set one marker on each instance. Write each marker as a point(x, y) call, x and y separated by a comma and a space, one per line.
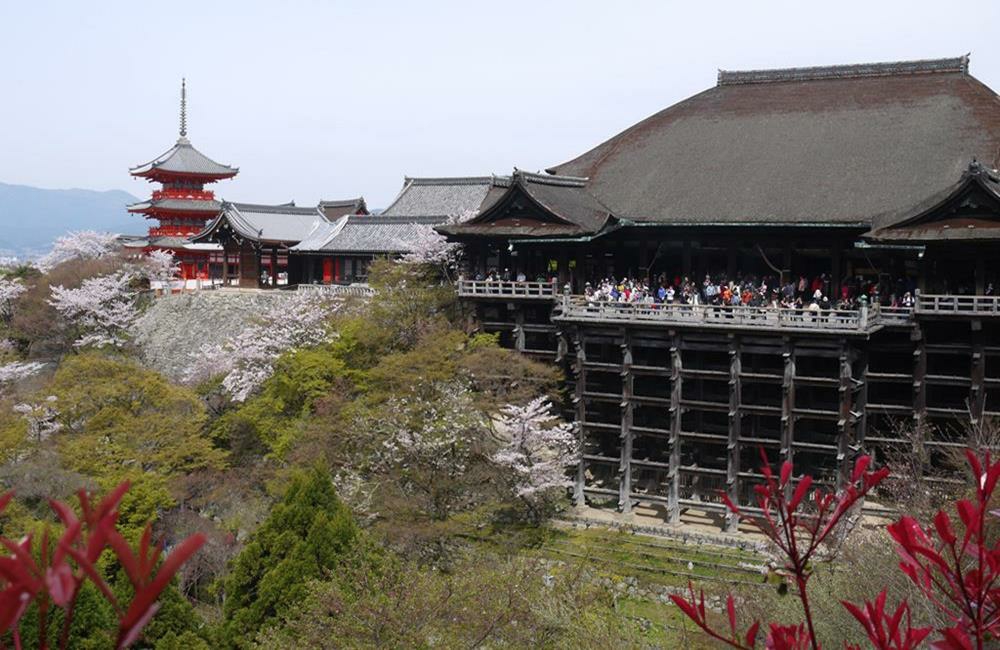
point(367, 234)
point(336, 209)
point(183, 158)
point(177, 205)
point(834, 146)
point(442, 197)
point(285, 224)
point(555, 206)
point(857, 70)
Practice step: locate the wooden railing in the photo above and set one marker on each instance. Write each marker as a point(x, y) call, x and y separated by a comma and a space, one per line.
point(507, 289)
point(930, 303)
point(860, 320)
point(337, 289)
point(896, 315)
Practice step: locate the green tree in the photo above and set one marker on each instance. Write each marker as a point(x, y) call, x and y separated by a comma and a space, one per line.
point(269, 421)
point(303, 538)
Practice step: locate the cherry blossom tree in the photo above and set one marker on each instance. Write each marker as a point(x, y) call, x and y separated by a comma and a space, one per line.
point(102, 310)
point(160, 266)
point(10, 290)
point(18, 370)
point(428, 247)
point(81, 244)
point(430, 440)
point(247, 359)
point(42, 417)
point(537, 451)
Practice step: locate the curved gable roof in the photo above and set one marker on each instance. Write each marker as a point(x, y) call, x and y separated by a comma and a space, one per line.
point(184, 159)
point(842, 145)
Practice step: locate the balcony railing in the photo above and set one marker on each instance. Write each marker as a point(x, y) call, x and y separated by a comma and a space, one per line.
point(507, 289)
point(839, 320)
point(929, 303)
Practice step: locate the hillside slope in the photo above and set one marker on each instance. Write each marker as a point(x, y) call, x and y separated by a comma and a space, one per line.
point(33, 217)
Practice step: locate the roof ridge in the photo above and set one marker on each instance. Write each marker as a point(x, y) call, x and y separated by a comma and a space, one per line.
point(450, 180)
point(850, 71)
point(372, 219)
point(552, 179)
point(341, 202)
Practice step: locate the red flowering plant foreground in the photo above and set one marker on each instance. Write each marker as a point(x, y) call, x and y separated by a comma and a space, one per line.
point(55, 577)
point(956, 571)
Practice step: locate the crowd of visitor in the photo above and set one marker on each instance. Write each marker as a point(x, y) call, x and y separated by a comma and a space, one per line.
point(751, 291)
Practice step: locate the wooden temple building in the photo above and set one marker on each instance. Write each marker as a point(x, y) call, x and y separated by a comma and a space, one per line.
point(182, 206)
point(879, 174)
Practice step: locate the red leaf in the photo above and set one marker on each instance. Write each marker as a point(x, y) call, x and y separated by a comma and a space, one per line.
point(66, 514)
point(147, 595)
point(751, 637)
point(800, 492)
point(13, 602)
point(731, 611)
point(860, 465)
point(127, 558)
point(953, 638)
point(786, 472)
point(131, 635)
point(943, 525)
point(87, 567)
point(61, 584)
point(686, 607)
point(111, 501)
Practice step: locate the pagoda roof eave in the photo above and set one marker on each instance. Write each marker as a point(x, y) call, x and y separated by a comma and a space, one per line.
point(184, 159)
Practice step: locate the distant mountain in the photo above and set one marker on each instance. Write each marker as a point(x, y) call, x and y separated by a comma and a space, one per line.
point(31, 218)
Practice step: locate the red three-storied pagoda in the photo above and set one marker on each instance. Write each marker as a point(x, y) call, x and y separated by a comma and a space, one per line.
point(182, 206)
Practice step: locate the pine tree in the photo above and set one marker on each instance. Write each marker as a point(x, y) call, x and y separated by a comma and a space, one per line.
point(303, 538)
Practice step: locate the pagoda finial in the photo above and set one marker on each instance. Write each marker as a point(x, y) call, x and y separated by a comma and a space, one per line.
point(184, 127)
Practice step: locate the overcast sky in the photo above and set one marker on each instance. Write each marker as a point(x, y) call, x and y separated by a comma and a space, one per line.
point(330, 100)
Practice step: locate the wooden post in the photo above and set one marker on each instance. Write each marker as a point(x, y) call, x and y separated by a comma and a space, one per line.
point(977, 392)
point(581, 411)
point(625, 466)
point(861, 396)
point(673, 473)
point(225, 265)
point(274, 266)
point(735, 431)
point(845, 439)
point(919, 394)
point(519, 329)
point(788, 401)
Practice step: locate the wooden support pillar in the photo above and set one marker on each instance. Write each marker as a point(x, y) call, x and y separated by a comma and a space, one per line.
point(977, 392)
point(731, 259)
point(980, 273)
point(673, 473)
point(788, 401)
point(861, 395)
point(625, 466)
point(735, 431)
point(519, 328)
point(274, 266)
point(919, 395)
point(225, 265)
point(686, 260)
point(845, 429)
point(581, 411)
